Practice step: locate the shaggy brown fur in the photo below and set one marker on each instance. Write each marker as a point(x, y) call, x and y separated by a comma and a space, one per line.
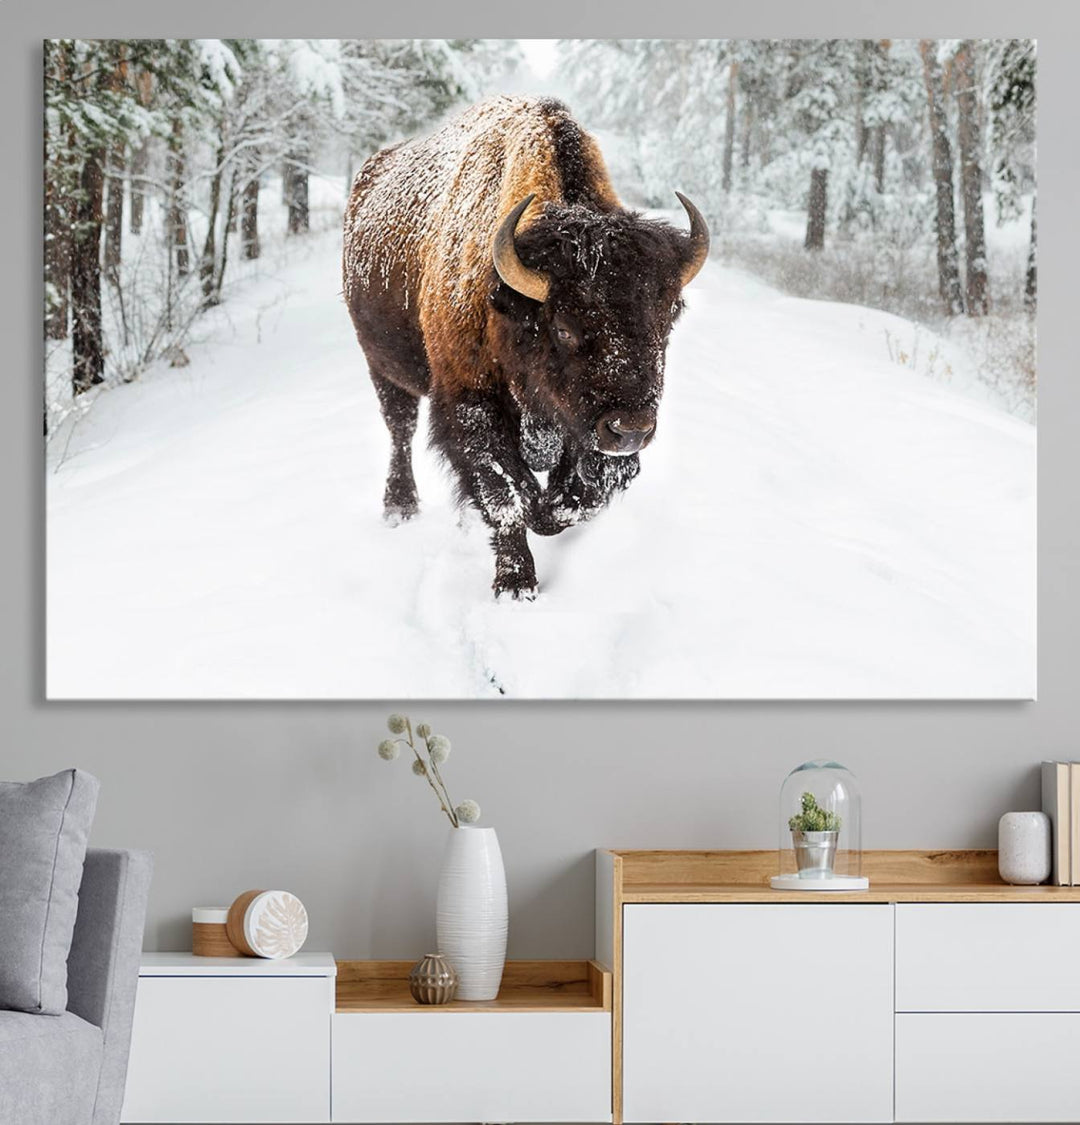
point(516, 385)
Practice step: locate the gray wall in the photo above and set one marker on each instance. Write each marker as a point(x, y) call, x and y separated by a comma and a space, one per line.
point(236, 796)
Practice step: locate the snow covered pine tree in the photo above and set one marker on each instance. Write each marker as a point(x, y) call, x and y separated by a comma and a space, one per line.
point(540, 353)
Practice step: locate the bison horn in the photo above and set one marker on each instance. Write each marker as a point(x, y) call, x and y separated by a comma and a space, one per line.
point(699, 240)
point(530, 283)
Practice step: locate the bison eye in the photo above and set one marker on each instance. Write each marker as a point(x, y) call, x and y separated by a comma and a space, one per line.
point(565, 332)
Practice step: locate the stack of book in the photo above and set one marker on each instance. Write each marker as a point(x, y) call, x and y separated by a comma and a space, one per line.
point(1061, 803)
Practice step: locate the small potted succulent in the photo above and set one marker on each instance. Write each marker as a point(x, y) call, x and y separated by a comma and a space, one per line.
point(814, 835)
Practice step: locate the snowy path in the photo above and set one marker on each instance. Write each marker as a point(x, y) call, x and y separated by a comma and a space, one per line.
point(814, 520)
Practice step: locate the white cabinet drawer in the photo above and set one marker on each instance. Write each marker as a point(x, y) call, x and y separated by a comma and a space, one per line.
point(1002, 1066)
point(235, 1049)
point(758, 1013)
point(988, 957)
point(472, 1066)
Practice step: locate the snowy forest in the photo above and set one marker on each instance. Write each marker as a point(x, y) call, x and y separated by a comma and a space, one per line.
point(848, 413)
point(868, 171)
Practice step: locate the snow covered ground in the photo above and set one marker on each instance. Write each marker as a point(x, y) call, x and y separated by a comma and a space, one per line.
point(814, 520)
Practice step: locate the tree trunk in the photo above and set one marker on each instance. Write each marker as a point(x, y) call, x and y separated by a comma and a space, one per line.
point(299, 217)
point(729, 130)
point(57, 258)
point(140, 158)
point(747, 131)
point(230, 225)
point(877, 152)
point(971, 180)
point(88, 350)
point(816, 208)
point(231, 209)
point(114, 213)
point(176, 219)
point(862, 80)
point(948, 263)
point(249, 223)
point(208, 261)
point(139, 161)
point(59, 194)
point(1031, 280)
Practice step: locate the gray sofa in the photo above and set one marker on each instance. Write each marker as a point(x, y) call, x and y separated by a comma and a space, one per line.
point(70, 1069)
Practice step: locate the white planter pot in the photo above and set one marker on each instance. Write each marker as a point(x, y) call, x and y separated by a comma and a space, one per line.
point(470, 916)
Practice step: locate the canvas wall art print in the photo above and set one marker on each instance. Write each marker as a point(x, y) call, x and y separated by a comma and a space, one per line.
point(544, 369)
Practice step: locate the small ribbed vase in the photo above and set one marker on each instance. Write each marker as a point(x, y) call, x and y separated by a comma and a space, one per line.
point(470, 916)
point(433, 980)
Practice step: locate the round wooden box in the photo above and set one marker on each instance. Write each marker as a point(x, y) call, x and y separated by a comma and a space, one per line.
point(271, 924)
point(209, 936)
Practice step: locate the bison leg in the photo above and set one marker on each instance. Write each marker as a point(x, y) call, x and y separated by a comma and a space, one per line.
point(582, 484)
point(480, 441)
point(399, 410)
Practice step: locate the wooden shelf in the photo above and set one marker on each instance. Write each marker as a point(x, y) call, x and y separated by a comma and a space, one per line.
point(895, 876)
point(878, 892)
point(527, 986)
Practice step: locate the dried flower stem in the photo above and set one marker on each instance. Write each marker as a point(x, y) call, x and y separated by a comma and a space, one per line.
point(446, 792)
point(445, 803)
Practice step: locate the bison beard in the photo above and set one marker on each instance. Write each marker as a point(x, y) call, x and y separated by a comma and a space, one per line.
point(537, 329)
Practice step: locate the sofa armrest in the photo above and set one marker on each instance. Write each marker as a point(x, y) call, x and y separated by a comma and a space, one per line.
point(103, 966)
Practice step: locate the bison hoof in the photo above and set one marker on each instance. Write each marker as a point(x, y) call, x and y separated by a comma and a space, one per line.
point(515, 593)
point(396, 514)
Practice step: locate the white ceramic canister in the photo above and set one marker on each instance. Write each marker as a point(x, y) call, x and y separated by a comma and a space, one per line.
point(1024, 848)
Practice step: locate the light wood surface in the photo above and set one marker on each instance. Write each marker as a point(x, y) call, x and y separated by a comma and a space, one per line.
point(895, 876)
point(210, 939)
point(234, 927)
point(878, 892)
point(527, 986)
point(723, 868)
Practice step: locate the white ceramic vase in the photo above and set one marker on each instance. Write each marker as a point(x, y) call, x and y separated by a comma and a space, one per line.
point(470, 916)
point(1024, 848)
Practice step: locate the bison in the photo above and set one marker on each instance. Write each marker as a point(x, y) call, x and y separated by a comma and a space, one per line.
point(491, 267)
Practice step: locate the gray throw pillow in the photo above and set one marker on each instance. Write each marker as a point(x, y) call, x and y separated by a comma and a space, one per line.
point(44, 826)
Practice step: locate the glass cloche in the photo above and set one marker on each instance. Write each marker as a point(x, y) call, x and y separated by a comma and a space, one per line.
point(820, 830)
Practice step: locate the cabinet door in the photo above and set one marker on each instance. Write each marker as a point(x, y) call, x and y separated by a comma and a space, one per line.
point(988, 1066)
point(988, 957)
point(740, 1013)
point(230, 1049)
point(443, 1066)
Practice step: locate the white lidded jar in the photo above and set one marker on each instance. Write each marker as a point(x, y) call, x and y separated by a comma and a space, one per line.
point(209, 937)
point(471, 912)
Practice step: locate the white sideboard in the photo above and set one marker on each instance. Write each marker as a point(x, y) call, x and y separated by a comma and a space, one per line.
point(229, 1039)
point(939, 995)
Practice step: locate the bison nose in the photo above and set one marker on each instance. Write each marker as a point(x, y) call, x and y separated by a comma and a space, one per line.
point(621, 433)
